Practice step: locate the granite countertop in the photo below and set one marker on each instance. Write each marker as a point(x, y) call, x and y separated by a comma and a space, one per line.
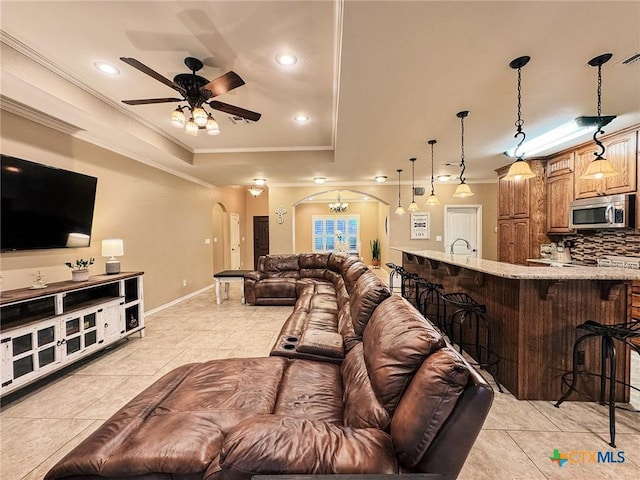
point(508, 270)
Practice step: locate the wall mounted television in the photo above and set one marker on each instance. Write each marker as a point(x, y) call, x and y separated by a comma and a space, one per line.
point(44, 207)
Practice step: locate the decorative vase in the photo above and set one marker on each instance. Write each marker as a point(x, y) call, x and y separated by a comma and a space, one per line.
point(375, 262)
point(80, 275)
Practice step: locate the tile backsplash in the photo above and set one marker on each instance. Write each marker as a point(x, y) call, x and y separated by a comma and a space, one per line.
point(588, 246)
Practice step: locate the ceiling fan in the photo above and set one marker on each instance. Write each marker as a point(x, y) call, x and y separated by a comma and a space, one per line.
point(196, 91)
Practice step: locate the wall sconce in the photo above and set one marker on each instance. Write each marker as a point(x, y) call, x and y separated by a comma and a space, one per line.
point(112, 247)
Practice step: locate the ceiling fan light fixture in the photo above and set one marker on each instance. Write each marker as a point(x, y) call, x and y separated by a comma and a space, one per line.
point(199, 116)
point(191, 128)
point(178, 119)
point(212, 126)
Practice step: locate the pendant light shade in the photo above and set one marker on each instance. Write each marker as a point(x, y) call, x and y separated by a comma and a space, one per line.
point(519, 169)
point(413, 206)
point(463, 189)
point(399, 209)
point(600, 167)
point(432, 199)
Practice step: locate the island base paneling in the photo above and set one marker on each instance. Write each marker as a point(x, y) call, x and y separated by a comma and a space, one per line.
point(534, 322)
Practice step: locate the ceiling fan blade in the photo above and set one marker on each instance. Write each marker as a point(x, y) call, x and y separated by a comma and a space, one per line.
point(233, 110)
point(153, 74)
point(223, 84)
point(146, 101)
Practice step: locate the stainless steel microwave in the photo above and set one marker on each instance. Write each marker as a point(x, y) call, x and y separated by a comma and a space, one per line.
point(613, 211)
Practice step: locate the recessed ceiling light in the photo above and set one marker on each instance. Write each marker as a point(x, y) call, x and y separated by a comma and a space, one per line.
point(301, 118)
point(286, 59)
point(259, 181)
point(444, 178)
point(381, 178)
point(106, 68)
point(319, 180)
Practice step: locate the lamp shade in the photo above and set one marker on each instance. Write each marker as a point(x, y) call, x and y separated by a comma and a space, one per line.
point(113, 247)
point(432, 200)
point(519, 170)
point(599, 168)
point(462, 191)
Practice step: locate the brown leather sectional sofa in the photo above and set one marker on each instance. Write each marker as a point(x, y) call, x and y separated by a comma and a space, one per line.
point(401, 400)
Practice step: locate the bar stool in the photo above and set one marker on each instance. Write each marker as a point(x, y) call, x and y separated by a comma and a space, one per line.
point(467, 313)
point(394, 273)
point(628, 334)
point(429, 301)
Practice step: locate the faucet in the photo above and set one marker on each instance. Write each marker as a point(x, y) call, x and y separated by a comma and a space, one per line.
point(454, 242)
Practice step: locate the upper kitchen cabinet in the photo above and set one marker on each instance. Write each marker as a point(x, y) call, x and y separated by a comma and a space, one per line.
point(622, 152)
point(560, 186)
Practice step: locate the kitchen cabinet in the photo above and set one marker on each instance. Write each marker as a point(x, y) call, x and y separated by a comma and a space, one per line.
point(47, 329)
point(521, 215)
point(560, 185)
point(622, 152)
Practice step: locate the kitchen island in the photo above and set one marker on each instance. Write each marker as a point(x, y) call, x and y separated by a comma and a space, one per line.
point(533, 313)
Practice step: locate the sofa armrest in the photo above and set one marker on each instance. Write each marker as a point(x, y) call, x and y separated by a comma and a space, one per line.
point(319, 342)
point(255, 275)
point(270, 444)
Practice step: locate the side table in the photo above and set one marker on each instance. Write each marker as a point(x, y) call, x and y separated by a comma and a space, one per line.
point(226, 277)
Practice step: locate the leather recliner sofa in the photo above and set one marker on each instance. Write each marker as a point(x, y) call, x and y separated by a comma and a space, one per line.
point(401, 401)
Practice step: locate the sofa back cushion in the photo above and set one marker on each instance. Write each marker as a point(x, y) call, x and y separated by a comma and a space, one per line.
point(426, 404)
point(352, 273)
point(362, 409)
point(313, 265)
point(396, 341)
point(368, 292)
point(282, 266)
point(335, 261)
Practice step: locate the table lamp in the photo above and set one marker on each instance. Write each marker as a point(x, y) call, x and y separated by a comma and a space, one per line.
point(113, 247)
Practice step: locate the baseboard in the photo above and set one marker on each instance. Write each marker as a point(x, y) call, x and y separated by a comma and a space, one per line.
point(178, 300)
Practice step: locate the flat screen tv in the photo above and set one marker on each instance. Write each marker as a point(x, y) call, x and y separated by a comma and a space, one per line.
point(44, 207)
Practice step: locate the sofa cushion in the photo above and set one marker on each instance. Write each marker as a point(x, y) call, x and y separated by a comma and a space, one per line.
point(426, 404)
point(286, 445)
point(276, 288)
point(282, 266)
point(335, 261)
point(313, 261)
point(311, 390)
point(361, 407)
point(368, 292)
point(394, 350)
point(352, 273)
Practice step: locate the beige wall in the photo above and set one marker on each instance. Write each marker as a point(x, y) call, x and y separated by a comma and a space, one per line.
point(282, 236)
point(369, 221)
point(163, 220)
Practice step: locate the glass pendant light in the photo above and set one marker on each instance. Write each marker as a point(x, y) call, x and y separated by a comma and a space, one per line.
point(199, 116)
point(191, 128)
point(413, 206)
point(399, 210)
point(519, 169)
point(432, 199)
point(463, 189)
point(177, 118)
point(600, 167)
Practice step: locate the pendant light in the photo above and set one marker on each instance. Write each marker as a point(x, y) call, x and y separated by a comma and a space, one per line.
point(600, 167)
point(432, 199)
point(413, 206)
point(519, 169)
point(463, 189)
point(399, 210)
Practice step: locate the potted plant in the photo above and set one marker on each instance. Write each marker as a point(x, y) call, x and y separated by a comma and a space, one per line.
point(375, 252)
point(80, 269)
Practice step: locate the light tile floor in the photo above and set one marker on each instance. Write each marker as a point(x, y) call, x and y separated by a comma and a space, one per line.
point(42, 425)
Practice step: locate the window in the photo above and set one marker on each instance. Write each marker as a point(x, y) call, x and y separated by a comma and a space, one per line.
point(333, 232)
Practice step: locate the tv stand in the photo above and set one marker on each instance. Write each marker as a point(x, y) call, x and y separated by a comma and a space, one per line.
point(46, 329)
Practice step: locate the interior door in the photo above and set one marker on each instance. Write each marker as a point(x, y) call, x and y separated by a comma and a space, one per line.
point(234, 219)
point(260, 238)
point(462, 223)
